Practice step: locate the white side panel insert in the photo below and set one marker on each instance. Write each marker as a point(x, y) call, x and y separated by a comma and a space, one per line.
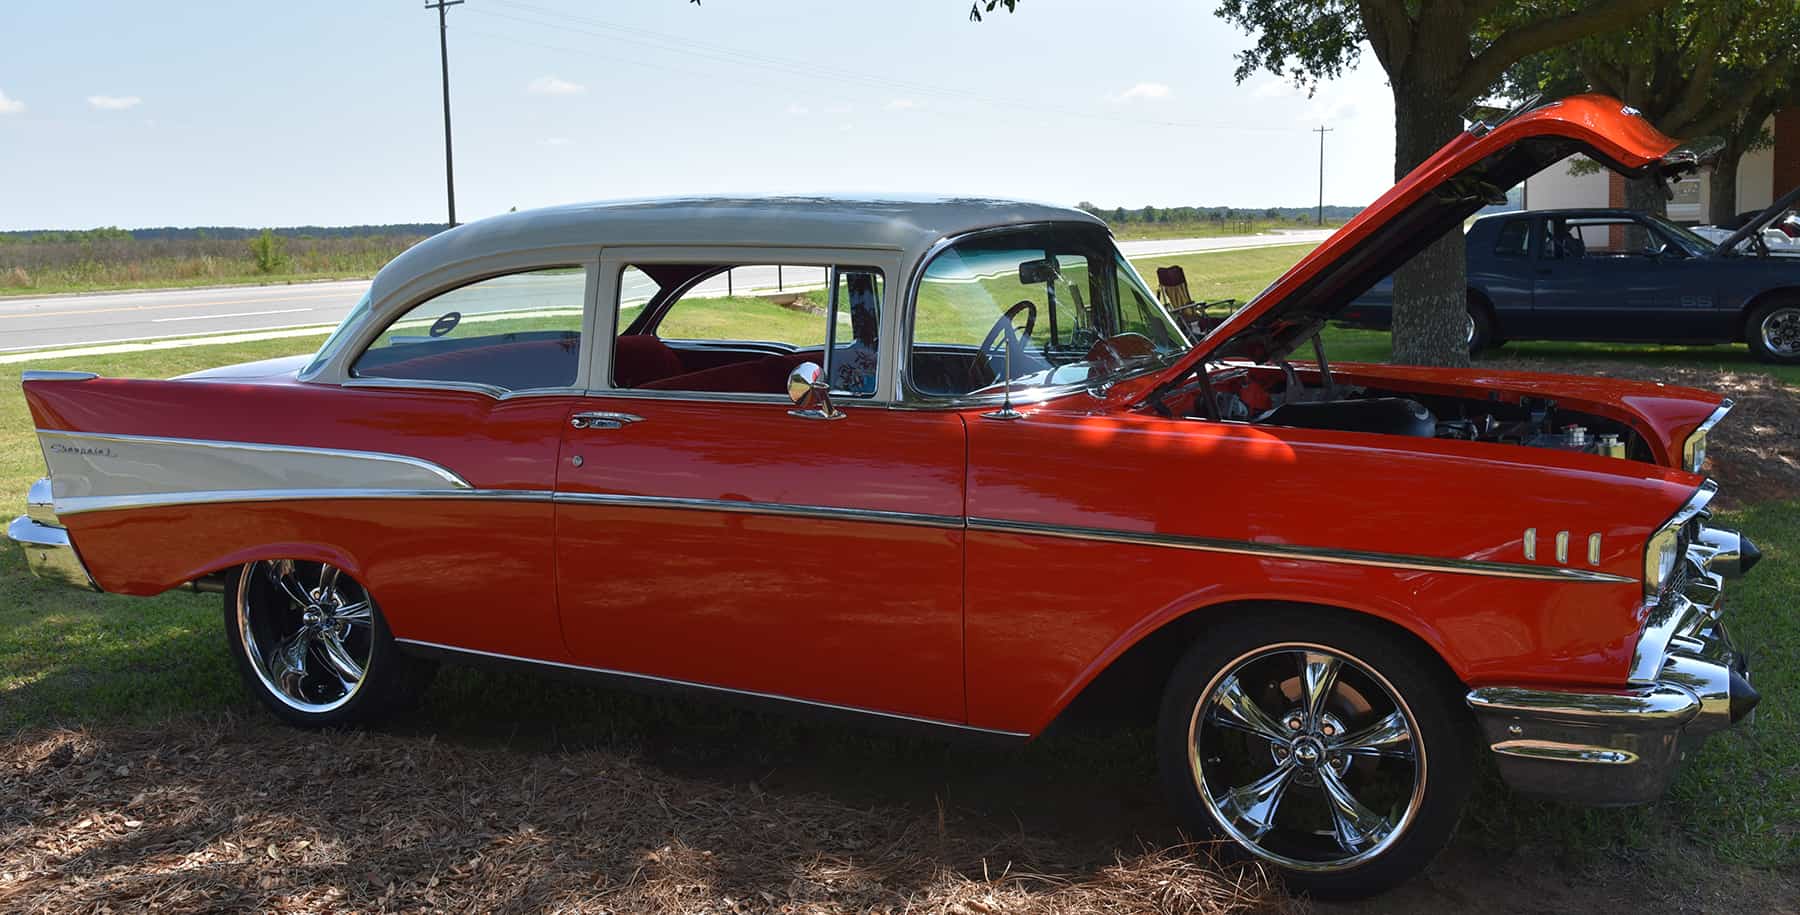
point(94, 472)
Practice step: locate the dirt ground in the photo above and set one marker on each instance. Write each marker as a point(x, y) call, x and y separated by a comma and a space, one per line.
point(246, 815)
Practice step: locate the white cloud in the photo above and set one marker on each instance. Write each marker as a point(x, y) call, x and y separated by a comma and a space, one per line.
point(550, 85)
point(1145, 91)
point(902, 104)
point(10, 105)
point(797, 109)
point(113, 102)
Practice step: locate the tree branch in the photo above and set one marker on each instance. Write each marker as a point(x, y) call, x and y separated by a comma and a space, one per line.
point(1543, 34)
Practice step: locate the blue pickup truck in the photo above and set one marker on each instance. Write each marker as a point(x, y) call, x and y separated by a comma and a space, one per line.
point(1618, 276)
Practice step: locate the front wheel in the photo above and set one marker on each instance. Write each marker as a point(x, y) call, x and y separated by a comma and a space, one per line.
point(1320, 745)
point(313, 646)
point(1773, 333)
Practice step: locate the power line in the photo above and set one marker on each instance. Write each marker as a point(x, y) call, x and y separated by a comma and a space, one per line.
point(444, 58)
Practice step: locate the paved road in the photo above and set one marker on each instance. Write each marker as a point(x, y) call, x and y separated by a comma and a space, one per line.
point(44, 322)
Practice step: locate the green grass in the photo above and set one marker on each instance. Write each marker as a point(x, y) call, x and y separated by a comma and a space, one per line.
point(71, 657)
point(46, 269)
point(1207, 228)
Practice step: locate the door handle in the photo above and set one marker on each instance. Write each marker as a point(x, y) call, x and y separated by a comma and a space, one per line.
point(603, 420)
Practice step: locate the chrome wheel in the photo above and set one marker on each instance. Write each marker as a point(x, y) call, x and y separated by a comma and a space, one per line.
point(308, 631)
point(1780, 330)
point(1307, 757)
point(1468, 329)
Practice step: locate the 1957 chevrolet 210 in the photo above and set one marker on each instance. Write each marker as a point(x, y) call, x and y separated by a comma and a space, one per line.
point(960, 470)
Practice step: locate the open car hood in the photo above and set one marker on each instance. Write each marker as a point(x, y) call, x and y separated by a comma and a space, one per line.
point(1766, 217)
point(1470, 172)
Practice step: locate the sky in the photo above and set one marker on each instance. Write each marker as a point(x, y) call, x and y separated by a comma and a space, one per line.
point(330, 113)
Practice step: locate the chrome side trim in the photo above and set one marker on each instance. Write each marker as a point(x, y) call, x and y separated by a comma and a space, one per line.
point(1296, 552)
point(1556, 751)
point(77, 505)
point(433, 468)
point(1669, 705)
point(707, 687)
point(90, 471)
point(824, 512)
point(53, 375)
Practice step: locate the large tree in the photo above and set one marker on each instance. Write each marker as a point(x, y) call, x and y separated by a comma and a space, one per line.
point(1698, 69)
point(1440, 56)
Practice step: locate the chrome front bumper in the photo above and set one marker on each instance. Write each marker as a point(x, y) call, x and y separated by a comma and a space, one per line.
point(48, 550)
point(1625, 746)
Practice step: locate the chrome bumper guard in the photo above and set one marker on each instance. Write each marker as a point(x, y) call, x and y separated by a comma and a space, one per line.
point(48, 551)
point(1622, 747)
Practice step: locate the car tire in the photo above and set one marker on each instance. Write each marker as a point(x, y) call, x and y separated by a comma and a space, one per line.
point(1390, 728)
point(1481, 334)
point(1773, 332)
point(314, 648)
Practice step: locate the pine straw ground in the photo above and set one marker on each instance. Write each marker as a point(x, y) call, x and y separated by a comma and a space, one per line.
point(242, 814)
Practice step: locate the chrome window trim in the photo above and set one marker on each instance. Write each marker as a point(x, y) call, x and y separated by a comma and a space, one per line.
point(460, 387)
point(334, 367)
point(444, 473)
point(689, 684)
point(1700, 432)
point(908, 397)
point(55, 375)
point(887, 261)
point(1296, 552)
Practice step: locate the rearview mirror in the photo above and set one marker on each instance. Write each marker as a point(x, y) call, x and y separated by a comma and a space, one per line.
point(810, 393)
point(1031, 273)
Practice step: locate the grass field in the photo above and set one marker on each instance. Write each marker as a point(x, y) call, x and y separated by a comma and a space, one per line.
point(1209, 228)
point(69, 658)
point(30, 268)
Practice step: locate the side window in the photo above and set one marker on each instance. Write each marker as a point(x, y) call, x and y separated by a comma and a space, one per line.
point(1515, 238)
point(514, 332)
point(743, 328)
point(1613, 237)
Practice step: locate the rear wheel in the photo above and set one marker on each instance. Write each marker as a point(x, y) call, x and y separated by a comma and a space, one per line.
point(1478, 330)
point(1320, 745)
point(1773, 332)
point(312, 645)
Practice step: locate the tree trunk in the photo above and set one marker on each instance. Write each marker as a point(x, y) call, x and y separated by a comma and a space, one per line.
point(1644, 195)
point(1430, 291)
point(1724, 186)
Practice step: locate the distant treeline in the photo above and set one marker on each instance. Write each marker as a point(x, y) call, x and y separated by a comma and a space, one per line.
point(215, 233)
point(1151, 214)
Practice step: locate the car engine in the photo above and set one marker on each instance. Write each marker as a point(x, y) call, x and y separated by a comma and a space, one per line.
point(1239, 395)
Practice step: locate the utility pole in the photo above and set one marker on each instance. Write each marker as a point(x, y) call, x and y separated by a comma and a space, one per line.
point(1321, 130)
point(444, 58)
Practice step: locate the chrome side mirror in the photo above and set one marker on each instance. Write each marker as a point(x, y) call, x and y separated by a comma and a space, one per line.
point(811, 394)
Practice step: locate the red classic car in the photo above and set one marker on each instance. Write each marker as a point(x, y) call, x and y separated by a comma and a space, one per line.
point(948, 463)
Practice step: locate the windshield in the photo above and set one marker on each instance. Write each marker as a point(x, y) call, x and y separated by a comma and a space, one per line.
point(325, 349)
point(1696, 244)
point(1044, 307)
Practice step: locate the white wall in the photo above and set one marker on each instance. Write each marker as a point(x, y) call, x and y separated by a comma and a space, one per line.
point(1554, 188)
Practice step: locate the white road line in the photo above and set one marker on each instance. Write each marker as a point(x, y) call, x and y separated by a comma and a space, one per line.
point(235, 314)
point(178, 343)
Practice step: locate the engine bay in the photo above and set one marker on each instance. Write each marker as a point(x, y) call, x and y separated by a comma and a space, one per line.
point(1311, 398)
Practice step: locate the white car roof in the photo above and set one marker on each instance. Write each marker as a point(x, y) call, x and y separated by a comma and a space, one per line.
point(908, 224)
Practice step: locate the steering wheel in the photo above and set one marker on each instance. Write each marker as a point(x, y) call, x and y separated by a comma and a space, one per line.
point(1003, 328)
